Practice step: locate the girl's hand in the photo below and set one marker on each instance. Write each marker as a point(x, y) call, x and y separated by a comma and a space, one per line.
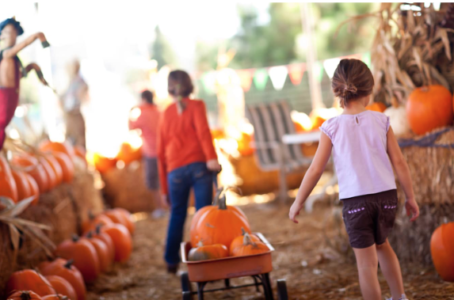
point(412, 209)
point(41, 36)
point(294, 211)
point(213, 165)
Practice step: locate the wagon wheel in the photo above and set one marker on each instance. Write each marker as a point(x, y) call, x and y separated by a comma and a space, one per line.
point(186, 286)
point(282, 289)
point(267, 286)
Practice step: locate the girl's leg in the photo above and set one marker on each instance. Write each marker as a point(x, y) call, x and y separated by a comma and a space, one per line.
point(367, 262)
point(202, 182)
point(389, 265)
point(179, 186)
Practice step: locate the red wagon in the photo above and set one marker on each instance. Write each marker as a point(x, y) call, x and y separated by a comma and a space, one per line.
point(257, 266)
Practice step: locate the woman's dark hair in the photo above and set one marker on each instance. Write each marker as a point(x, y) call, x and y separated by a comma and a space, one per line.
point(180, 84)
point(147, 96)
point(352, 80)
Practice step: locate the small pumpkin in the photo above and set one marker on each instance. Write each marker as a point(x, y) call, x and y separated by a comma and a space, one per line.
point(48, 146)
point(65, 269)
point(93, 221)
point(51, 176)
point(84, 255)
point(8, 187)
point(442, 250)
point(62, 286)
point(23, 187)
point(66, 165)
point(102, 236)
point(244, 245)
point(24, 295)
point(218, 224)
point(239, 240)
point(121, 216)
point(245, 144)
point(103, 252)
point(33, 188)
point(55, 167)
point(376, 106)
point(121, 239)
point(429, 108)
point(29, 280)
point(208, 252)
point(128, 153)
point(103, 164)
point(31, 166)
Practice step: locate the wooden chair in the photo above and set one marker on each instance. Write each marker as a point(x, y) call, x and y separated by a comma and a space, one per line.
point(271, 122)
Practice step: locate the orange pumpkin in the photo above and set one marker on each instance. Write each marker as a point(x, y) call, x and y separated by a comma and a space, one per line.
point(103, 252)
point(442, 250)
point(217, 134)
point(24, 295)
point(23, 187)
point(51, 176)
point(102, 236)
point(29, 280)
point(218, 224)
point(429, 108)
point(31, 166)
point(245, 144)
point(238, 241)
point(245, 245)
point(66, 165)
point(34, 189)
point(202, 252)
point(55, 167)
point(128, 154)
point(121, 239)
point(62, 286)
point(94, 221)
point(376, 106)
point(84, 255)
point(8, 187)
point(121, 216)
point(65, 269)
point(48, 146)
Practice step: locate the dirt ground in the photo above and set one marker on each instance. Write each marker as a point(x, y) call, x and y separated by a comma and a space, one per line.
point(312, 256)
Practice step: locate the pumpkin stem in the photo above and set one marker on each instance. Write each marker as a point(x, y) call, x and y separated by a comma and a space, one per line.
point(200, 244)
point(69, 264)
point(98, 229)
point(91, 216)
point(90, 234)
point(243, 232)
point(247, 240)
point(25, 295)
point(218, 195)
point(75, 238)
point(222, 203)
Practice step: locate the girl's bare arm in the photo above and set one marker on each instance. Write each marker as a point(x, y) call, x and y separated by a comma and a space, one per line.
point(403, 174)
point(312, 175)
point(9, 53)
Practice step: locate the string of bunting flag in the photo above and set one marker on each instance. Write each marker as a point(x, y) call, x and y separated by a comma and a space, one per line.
point(278, 74)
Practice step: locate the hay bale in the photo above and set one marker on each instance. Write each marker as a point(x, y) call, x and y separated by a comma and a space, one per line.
point(252, 180)
point(126, 188)
point(7, 259)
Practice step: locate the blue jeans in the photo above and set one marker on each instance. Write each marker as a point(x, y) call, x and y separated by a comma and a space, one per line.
point(180, 182)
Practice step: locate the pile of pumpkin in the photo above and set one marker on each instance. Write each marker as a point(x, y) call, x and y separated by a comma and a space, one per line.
point(442, 251)
point(80, 260)
point(427, 108)
point(220, 231)
point(31, 172)
point(127, 154)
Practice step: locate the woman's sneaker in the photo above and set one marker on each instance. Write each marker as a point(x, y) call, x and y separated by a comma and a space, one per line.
point(158, 213)
point(403, 297)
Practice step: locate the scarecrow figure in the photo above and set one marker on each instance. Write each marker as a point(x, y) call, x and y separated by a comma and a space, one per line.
point(11, 69)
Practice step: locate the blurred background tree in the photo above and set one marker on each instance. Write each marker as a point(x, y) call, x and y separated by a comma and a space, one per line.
point(160, 49)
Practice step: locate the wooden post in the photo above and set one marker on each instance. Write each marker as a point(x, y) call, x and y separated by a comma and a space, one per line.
point(316, 93)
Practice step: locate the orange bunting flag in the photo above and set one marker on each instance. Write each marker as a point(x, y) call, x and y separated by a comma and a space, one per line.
point(295, 72)
point(245, 78)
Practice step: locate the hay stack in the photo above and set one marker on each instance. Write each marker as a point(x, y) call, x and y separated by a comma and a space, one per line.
point(7, 259)
point(432, 171)
point(126, 188)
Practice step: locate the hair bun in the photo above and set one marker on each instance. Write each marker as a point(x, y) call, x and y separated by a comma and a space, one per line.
point(349, 89)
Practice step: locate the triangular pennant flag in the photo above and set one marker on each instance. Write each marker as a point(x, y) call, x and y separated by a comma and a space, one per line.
point(278, 75)
point(367, 59)
point(260, 79)
point(318, 71)
point(209, 82)
point(296, 72)
point(245, 78)
point(331, 65)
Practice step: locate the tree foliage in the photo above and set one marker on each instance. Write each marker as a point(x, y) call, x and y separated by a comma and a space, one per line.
point(160, 49)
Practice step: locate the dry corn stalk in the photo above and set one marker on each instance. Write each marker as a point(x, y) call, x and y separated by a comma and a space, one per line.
point(410, 49)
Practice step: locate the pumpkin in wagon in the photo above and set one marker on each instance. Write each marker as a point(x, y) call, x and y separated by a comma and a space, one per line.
point(246, 245)
point(208, 252)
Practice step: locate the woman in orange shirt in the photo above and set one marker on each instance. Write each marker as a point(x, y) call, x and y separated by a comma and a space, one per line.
point(187, 159)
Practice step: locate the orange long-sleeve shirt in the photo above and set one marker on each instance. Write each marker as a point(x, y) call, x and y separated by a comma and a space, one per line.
point(148, 122)
point(183, 139)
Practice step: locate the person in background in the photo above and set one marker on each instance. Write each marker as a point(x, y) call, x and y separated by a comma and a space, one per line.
point(187, 159)
point(365, 151)
point(146, 118)
point(71, 101)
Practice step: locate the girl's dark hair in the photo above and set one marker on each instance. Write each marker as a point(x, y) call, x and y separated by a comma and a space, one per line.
point(352, 80)
point(147, 96)
point(180, 84)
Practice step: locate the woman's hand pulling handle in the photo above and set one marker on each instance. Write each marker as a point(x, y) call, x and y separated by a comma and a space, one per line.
point(213, 165)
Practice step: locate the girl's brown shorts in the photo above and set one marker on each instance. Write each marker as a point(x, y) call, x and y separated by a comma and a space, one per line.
point(369, 218)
